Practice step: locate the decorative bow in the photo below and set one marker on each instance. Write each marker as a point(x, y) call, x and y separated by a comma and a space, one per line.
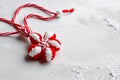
point(43, 48)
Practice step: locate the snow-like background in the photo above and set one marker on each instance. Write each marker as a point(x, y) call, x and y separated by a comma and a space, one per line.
point(90, 41)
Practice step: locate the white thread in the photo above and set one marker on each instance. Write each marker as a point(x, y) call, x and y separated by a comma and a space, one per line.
point(35, 37)
point(54, 43)
point(48, 54)
point(48, 34)
point(35, 51)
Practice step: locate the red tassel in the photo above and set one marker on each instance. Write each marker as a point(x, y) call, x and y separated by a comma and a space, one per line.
point(65, 11)
point(68, 11)
point(71, 10)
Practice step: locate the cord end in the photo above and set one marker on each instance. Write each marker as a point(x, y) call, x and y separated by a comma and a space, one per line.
point(65, 11)
point(68, 10)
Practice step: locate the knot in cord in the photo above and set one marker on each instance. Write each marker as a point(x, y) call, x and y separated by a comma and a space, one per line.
point(44, 44)
point(26, 31)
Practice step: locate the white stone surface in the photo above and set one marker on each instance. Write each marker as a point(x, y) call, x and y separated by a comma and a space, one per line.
point(90, 41)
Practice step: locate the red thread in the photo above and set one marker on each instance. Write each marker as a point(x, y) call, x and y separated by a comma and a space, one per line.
point(65, 11)
point(68, 11)
point(71, 10)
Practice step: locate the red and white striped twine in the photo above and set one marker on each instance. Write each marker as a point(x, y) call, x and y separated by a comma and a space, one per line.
point(35, 37)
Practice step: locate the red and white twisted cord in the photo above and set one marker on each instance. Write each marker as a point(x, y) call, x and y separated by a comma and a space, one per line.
point(43, 48)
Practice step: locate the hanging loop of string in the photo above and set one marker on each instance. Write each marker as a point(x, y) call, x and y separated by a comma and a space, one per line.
point(16, 26)
point(34, 6)
point(25, 30)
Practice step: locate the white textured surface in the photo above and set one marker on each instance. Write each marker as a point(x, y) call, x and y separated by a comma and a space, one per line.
point(90, 42)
